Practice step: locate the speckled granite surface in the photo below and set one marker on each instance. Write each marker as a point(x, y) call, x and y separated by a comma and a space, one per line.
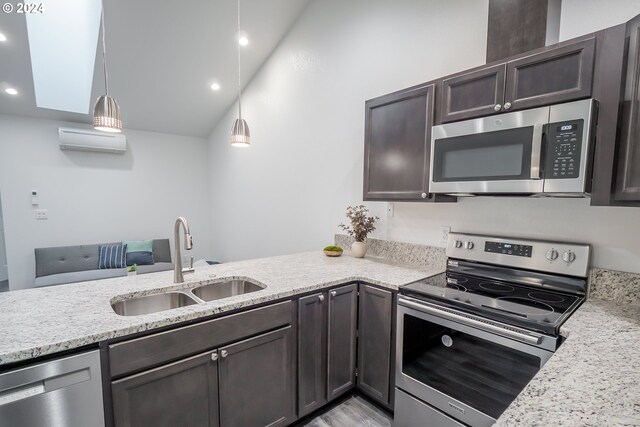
point(617, 286)
point(41, 321)
point(594, 377)
point(405, 253)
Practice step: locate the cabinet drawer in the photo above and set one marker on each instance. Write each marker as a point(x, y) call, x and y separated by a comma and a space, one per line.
point(146, 352)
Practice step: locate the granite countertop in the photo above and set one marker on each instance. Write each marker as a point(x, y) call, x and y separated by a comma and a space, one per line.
point(593, 379)
point(41, 321)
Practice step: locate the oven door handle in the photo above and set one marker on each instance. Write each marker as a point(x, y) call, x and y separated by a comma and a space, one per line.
point(537, 145)
point(468, 321)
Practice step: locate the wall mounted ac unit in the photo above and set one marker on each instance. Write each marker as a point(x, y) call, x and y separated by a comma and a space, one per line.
point(91, 140)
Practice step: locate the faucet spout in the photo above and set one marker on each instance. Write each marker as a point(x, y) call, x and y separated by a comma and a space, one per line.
point(178, 271)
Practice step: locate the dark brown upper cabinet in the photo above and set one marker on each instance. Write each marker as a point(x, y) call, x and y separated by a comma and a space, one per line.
point(473, 94)
point(628, 173)
point(550, 76)
point(397, 145)
point(556, 75)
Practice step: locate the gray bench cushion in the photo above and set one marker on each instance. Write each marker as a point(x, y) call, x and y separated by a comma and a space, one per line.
point(70, 259)
point(83, 276)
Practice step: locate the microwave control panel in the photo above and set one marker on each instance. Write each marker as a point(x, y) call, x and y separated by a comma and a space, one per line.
point(564, 144)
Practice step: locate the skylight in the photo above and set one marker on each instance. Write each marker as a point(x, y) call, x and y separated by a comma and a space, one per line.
point(63, 42)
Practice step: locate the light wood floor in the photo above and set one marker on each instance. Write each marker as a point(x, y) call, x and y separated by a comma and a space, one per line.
point(352, 412)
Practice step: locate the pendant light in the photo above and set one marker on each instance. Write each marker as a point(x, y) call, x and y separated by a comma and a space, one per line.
point(106, 112)
point(240, 136)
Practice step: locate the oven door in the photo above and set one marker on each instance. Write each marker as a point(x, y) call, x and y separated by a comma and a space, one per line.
point(498, 154)
point(467, 373)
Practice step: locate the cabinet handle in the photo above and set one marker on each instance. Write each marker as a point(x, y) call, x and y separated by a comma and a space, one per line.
point(214, 356)
point(497, 107)
point(224, 353)
point(321, 297)
point(334, 293)
point(507, 105)
point(424, 195)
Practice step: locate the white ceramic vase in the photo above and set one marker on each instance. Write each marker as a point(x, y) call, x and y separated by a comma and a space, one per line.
point(358, 249)
point(131, 273)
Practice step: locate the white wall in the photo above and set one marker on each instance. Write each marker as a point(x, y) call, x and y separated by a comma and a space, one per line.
point(580, 17)
point(305, 108)
point(97, 197)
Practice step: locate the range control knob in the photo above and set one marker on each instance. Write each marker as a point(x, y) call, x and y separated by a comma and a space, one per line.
point(468, 245)
point(457, 243)
point(569, 256)
point(551, 255)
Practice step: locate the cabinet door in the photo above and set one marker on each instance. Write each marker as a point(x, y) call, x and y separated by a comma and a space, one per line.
point(341, 338)
point(628, 182)
point(473, 94)
point(374, 343)
point(396, 145)
point(183, 393)
point(312, 353)
point(556, 75)
point(257, 381)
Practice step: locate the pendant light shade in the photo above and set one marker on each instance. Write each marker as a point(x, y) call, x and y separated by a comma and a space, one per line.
point(106, 115)
point(240, 136)
point(106, 112)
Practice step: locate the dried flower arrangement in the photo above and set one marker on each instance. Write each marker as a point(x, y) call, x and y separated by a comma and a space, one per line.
point(361, 224)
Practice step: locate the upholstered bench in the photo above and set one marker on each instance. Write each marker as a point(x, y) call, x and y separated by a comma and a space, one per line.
point(68, 264)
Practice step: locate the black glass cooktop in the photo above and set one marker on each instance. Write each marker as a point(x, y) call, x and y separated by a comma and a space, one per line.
point(527, 306)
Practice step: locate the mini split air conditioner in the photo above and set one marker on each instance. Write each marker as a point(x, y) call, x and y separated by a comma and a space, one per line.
point(91, 140)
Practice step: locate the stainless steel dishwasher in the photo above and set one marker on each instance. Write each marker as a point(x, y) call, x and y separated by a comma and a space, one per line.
point(62, 392)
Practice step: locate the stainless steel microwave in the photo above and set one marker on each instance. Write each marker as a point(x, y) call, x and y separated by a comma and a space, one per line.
point(545, 151)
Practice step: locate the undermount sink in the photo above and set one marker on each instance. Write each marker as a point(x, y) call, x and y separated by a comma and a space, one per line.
point(175, 299)
point(152, 303)
point(230, 288)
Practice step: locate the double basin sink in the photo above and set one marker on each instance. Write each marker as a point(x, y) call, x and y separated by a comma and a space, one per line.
point(174, 299)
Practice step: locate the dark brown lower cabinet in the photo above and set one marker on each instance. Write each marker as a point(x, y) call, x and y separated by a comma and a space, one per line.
point(341, 340)
point(374, 343)
point(249, 382)
point(183, 393)
point(327, 324)
point(257, 381)
point(312, 354)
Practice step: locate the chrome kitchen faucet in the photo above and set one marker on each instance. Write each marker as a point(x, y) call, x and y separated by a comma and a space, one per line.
point(178, 271)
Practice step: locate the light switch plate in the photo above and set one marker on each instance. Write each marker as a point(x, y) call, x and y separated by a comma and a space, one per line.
point(42, 214)
point(444, 233)
point(390, 210)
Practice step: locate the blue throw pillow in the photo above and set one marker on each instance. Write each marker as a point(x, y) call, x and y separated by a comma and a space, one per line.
point(112, 256)
point(140, 258)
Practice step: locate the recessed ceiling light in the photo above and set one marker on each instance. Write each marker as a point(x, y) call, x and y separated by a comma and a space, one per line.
point(243, 40)
point(3, 38)
point(215, 86)
point(11, 91)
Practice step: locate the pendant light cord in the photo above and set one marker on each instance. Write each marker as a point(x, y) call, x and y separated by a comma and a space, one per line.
point(239, 87)
point(104, 52)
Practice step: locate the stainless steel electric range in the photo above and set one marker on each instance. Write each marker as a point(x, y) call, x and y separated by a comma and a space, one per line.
point(470, 339)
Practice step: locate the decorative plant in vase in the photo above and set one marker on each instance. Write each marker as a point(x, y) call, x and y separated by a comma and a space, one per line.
point(360, 227)
point(132, 270)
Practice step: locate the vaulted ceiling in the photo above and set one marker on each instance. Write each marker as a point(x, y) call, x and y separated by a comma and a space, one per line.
point(162, 58)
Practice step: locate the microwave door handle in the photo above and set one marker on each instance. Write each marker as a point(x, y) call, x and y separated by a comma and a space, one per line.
point(536, 150)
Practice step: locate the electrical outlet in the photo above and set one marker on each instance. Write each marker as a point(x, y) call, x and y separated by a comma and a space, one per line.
point(42, 214)
point(444, 233)
point(390, 210)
